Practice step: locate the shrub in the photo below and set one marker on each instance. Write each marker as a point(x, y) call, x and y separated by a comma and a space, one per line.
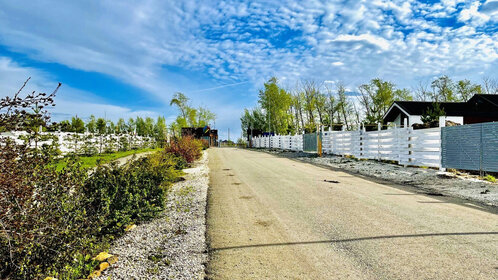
point(136, 191)
point(490, 178)
point(43, 221)
point(186, 147)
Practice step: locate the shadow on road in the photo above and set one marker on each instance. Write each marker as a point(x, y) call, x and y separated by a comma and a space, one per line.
point(355, 239)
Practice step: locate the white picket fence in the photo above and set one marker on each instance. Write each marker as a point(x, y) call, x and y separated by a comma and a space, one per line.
point(403, 145)
point(70, 142)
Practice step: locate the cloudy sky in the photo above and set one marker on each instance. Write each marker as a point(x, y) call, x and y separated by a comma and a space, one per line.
point(127, 58)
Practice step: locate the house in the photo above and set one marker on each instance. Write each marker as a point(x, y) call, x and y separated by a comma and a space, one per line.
point(203, 133)
point(480, 108)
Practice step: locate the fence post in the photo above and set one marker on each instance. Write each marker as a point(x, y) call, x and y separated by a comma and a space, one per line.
point(378, 141)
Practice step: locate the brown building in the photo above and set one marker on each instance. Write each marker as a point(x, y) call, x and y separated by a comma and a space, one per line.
point(203, 133)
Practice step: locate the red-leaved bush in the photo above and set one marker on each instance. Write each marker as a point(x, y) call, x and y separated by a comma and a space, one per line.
point(186, 147)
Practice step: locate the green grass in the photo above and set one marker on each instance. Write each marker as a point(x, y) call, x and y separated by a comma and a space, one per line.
point(92, 161)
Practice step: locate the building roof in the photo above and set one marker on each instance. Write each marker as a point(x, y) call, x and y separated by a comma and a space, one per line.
point(478, 105)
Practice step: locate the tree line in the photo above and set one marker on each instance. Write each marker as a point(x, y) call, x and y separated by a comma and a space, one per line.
point(312, 103)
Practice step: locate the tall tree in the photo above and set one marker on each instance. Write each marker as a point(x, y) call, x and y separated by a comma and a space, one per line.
point(465, 89)
point(376, 98)
point(276, 102)
point(180, 100)
point(344, 105)
point(443, 90)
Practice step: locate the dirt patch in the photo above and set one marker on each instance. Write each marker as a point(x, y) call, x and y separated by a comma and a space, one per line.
point(245, 197)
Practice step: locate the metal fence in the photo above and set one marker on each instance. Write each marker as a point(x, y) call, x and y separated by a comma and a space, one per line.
point(470, 147)
point(310, 142)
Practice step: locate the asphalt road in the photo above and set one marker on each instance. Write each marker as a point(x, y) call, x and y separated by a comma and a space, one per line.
point(275, 218)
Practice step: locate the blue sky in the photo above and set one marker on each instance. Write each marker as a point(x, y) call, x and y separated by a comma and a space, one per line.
point(127, 58)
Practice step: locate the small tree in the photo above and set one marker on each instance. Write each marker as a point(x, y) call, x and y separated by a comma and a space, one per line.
point(431, 116)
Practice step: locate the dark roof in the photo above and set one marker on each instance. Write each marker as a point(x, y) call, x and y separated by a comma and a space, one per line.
point(482, 105)
point(419, 107)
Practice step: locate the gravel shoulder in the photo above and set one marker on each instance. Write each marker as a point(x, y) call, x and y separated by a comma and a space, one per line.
point(173, 245)
point(426, 180)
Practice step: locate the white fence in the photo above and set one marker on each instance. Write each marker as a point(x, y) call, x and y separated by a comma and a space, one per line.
point(83, 143)
point(284, 142)
point(403, 145)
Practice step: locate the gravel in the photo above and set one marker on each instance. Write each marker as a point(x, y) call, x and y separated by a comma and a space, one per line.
point(429, 181)
point(172, 246)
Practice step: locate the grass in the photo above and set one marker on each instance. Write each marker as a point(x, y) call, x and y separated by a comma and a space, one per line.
point(490, 178)
point(92, 161)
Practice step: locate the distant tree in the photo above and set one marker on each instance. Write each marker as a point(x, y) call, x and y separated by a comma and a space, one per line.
point(160, 131)
point(489, 85)
point(276, 103)
point(443, 90)
point(65, 126)
point(376, 98)
point(131, 125)
point(343, 105)
point(91, 124)
point(181, 101)
point(77, 125)
point(252, 119)
point(121, 126)
point(100, 126)
point(465, 89)
point(149, 126)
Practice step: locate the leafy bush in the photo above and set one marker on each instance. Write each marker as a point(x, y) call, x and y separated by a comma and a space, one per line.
point(186, 147)
point(52, 222)
point(136, 191)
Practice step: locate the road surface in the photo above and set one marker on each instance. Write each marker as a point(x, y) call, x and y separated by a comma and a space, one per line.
point(275, 218)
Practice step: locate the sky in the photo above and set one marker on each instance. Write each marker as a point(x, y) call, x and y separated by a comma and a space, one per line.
point(127, 58)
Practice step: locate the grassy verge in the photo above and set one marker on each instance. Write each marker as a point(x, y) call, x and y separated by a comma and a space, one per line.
point(92, 161)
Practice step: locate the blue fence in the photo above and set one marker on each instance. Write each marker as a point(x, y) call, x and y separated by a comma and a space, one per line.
point(470, 147)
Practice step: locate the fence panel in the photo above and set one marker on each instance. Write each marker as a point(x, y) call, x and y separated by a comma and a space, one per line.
point(310, 142)
point(490, 147)
point(471, 147)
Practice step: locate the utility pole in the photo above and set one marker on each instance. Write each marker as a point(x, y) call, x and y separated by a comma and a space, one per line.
point(228, 134)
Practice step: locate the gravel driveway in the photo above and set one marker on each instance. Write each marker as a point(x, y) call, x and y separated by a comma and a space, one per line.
point(171, 246)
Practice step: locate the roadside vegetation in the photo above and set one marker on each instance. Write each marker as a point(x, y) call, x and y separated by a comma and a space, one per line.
point(55, 219)
point(311, 103)
point(92, 161)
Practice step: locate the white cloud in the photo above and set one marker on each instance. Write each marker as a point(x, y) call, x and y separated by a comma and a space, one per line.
point(473, 16)
point(233, 41)
point(69, 101)
point(364, 38)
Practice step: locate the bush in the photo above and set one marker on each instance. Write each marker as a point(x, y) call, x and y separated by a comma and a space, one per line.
point(136, 191)
point(186, 147)
point(43, 221)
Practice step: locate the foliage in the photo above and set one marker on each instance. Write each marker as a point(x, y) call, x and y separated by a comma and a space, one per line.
point(490, 178)
point(189, 116)
point(252, 120)
point(276, 102)
point(133, 192)
point(52, 221)
point(376, 98)
point(186, 147)
point(431, 116)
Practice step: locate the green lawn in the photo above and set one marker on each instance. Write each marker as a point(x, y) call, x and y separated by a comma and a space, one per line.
point(92, 161)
